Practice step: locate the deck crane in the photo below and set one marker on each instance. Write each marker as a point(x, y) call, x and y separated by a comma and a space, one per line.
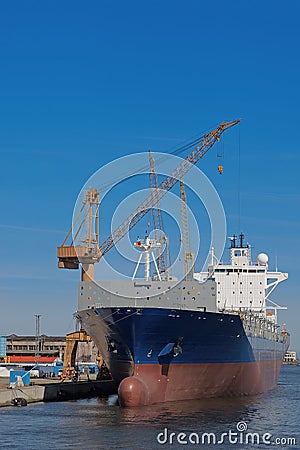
point(157, 219)
point(185, 236)
point(69, 256)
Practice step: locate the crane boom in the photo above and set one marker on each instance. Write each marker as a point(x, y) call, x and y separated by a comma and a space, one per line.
point(156, 215)
point(155, 196)
point(69, 256)
point(185, 235)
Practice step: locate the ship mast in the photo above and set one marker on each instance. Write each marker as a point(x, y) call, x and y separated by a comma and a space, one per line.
point(147, 247)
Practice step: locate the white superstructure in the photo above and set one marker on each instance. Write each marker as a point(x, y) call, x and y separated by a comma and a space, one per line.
point(241, 285)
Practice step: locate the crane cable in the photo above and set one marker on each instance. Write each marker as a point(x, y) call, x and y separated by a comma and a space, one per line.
point(158, 161)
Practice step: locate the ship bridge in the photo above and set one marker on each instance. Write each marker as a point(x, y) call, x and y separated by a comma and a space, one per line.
point(242, 285)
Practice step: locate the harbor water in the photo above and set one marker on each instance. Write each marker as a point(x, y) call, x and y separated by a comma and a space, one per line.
point(265, 421)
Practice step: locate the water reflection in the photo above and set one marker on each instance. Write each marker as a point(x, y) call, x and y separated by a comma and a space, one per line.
point(185, 413)
point(261, 410)
point(100, 423)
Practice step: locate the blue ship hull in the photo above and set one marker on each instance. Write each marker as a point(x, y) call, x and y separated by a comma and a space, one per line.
point(162, 354)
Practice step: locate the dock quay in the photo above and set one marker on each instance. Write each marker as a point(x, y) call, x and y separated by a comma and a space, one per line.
point(44, 390)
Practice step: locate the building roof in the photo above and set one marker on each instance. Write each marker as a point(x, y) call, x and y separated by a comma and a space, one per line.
point(15, 337)
point(32, 359)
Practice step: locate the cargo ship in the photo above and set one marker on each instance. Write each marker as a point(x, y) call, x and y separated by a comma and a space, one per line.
point(212, 333)
point(212, 336)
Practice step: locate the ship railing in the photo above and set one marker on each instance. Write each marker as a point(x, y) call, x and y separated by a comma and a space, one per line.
point(256, 323)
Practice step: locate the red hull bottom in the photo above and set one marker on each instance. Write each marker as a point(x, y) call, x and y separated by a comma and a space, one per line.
point(152, 383)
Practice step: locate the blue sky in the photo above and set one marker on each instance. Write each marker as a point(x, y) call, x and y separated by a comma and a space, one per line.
point(84, 83)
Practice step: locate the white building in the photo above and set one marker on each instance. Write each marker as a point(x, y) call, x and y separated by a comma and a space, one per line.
point(242, 285)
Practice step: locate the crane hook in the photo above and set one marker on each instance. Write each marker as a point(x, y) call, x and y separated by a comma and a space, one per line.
point(220, 169)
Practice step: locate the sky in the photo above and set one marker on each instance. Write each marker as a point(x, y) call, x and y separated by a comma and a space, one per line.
point(84, 83)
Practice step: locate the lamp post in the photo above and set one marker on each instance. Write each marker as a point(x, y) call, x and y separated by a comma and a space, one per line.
point(37, 338)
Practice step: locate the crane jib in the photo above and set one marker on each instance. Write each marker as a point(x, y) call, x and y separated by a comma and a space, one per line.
point(156, 195)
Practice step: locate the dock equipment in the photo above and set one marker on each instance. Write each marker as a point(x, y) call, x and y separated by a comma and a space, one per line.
point(72, 340)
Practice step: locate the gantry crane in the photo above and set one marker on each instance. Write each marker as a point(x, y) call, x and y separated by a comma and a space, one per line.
point(69, 256)
point(72, 340)
point(159, 235)
point(185, 235)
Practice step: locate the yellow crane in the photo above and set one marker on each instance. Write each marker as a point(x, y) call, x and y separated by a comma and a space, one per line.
point(188, 265)
point(159, 235)
point(69, 256)
point(72, 340)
